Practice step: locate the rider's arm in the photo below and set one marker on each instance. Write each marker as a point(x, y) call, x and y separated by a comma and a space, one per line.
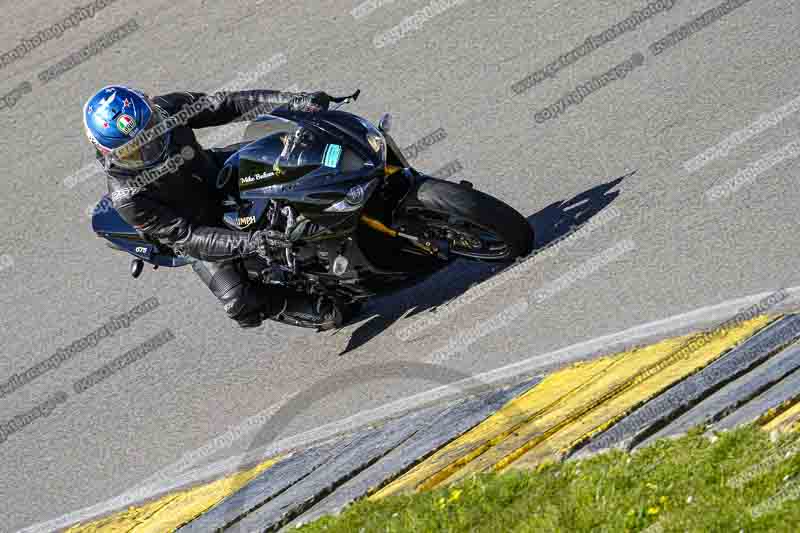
point(205, 110)
point(161, 223)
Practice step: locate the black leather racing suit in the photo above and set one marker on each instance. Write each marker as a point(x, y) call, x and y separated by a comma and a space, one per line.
point(181, 208)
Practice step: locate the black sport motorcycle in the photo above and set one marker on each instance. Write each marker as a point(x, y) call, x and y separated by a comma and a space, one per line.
point(380, 224)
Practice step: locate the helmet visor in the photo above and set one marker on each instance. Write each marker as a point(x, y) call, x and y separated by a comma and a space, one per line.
point(144, 150)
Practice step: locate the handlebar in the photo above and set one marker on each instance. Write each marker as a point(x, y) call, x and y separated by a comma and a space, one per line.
point(345, 99)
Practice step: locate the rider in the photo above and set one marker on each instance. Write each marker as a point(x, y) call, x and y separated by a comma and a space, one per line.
point(163, 183)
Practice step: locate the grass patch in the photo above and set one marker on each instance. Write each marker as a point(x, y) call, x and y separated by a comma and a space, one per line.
point(688, 484)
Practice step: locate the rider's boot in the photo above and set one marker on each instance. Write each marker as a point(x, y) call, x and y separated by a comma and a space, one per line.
point(319, 312)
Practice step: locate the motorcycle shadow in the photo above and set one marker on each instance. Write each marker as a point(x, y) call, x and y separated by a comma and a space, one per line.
point(549, 224)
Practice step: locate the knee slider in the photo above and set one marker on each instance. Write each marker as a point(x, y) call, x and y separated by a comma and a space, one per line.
point(225, 281)
point(229, 287)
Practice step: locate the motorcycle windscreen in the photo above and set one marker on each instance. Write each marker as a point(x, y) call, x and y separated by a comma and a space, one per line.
point(276, 160)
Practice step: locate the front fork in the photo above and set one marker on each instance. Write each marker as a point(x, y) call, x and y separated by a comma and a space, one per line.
point(397, 162)
point(436, 248)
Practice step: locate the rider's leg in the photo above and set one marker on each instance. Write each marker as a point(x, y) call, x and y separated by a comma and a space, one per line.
point(242, 299)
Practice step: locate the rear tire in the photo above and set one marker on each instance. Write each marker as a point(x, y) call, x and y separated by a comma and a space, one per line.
point(478, 209)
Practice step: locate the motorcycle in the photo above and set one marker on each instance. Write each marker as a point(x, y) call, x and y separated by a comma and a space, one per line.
point(381, 224)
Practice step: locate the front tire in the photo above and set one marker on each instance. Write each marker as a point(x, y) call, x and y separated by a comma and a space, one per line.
point(477, 225)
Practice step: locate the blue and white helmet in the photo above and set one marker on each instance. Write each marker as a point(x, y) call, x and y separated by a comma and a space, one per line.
point(121, 123)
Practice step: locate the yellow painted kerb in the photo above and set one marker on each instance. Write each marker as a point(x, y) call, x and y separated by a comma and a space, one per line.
point(787, 421)
point(170, 512)
point(571, 405)
point(553, 438)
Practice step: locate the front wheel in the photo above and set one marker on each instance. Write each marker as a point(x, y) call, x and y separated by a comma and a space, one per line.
point(476, 225)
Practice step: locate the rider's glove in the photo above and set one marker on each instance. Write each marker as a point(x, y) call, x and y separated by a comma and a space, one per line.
point(262, 241)
point(310, 102)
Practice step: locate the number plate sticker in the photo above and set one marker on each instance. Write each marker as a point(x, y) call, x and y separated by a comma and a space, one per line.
point(331, 156)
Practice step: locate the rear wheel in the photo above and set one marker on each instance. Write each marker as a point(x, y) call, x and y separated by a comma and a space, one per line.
point(476, 225)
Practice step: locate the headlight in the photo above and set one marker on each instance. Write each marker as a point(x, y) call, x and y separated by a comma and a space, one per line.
point(355, 198)
point(374, 139)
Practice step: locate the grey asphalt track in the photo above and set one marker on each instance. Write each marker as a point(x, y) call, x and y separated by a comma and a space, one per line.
point(454, 71)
